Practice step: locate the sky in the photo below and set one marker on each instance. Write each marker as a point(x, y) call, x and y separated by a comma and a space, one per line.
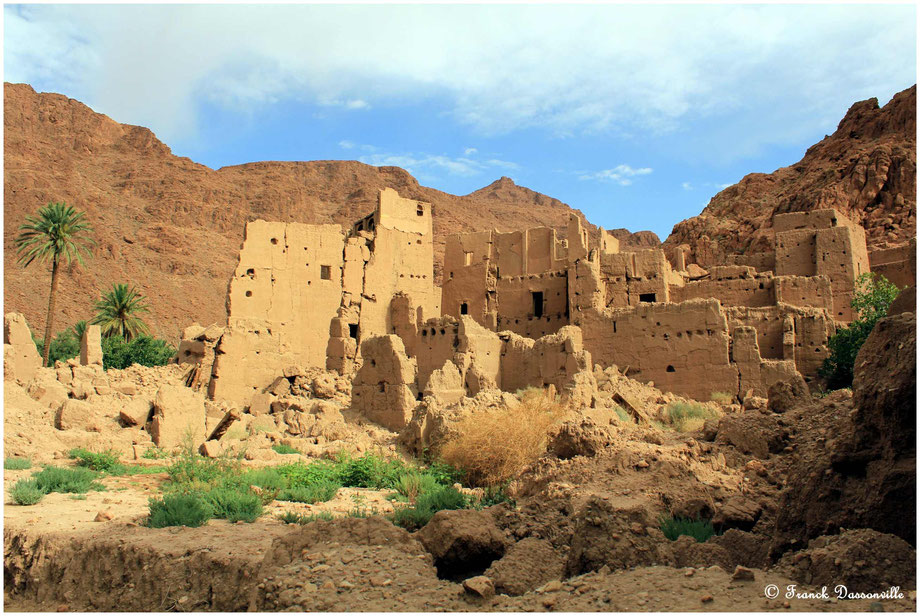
point(635, 114)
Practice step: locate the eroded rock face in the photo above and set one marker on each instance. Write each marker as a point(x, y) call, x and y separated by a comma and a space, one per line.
point(863, 474)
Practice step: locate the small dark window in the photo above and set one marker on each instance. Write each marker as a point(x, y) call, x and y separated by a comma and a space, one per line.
point(325, 272)
point(248, 293)
point(382, 386)
point(670, 369)
point(274, 240)
point(420, 211)
point(464, 308)
point(353, 330)
point(537, 303)
point(647, 297)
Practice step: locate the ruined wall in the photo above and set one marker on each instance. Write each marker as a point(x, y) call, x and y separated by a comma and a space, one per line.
point(822, 242)
point(283, 294)
point(898, 265)
point(683, 348)
point(306, 295)
point(732, 286)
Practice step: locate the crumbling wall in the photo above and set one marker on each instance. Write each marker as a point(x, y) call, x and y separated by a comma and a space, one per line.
point(385, 388)
point(683, 347)
point(823, 242)
point(898, 265)
point(21, 359)
point(732, 286)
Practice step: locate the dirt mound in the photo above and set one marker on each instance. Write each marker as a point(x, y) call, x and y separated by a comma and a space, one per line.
point(863, 560)
point(529, 563)
point(463, 542)
point(616, 537)
point(855, 460)
point(866, 170)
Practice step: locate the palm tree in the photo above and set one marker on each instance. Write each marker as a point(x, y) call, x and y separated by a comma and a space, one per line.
point(79, 328)
point(58, 233)
point(117, 312)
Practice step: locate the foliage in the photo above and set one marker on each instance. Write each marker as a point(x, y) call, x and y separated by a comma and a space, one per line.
point(178, 509)
point(59, 234)
point(291, 517)
point(155, 453)
point(105, 461)
point(142, 350)
point(495, 446)
point(428, 504)
point(26, 492)
point(412, 484)
point(873, 296)
point(16, 464)
point(688, 416)
point(493, 495)
point(699, 529)
point(313, 493)
point(284, 449)
point(622, 414)
point(234, 504)
point(118, 312)
point(63, 346)
point(67, 480)
point(721, 397)
point(369, 471)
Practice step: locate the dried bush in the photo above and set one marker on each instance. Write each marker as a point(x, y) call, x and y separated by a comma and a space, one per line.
point(688, 416)
point(493, 447)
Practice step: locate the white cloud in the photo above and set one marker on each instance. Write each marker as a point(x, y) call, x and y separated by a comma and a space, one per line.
point(687, 186)
point(621, 174)
point(345, 144)
point(424, 165)
point(627, 69)
point(470, 151)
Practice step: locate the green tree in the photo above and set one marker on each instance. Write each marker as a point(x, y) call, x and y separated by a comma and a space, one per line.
point(871, 300)
point(118, 312)
point(60, 234)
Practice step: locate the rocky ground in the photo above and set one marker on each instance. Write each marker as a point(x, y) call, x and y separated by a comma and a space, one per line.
point(803, 490)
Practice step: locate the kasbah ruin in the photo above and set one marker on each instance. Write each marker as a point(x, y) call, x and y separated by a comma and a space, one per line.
point(615, 389)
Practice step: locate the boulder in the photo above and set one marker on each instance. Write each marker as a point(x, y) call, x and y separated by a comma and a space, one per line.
point(479, 586)
point(323, 386)
point(261, 404)
point(178, 415)
point(462, 541)
point(79, 415)
point(753, 432)
point(46, 389)
point(136, 412)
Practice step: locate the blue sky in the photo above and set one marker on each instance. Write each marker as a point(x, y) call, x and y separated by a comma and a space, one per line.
point(635, 114)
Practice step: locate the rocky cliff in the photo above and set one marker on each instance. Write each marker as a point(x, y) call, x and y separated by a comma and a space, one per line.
point(867, 169)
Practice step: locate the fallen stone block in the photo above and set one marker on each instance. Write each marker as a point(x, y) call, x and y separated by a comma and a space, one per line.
point(178, 415)
point(136, 412)
point(77, 414)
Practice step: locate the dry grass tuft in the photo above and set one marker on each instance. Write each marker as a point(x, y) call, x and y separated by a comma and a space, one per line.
point(494, 447)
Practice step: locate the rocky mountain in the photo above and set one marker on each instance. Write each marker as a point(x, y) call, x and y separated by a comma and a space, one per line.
point(867, 169)
point(174, 227)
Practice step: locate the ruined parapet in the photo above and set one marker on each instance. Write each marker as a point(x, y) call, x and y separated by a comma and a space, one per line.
point(21, 360)
point(198, 349)
point(757, 375)
point(384, 389)
point(91, 346)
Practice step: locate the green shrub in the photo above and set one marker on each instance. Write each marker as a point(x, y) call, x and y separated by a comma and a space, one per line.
point(234, 504)
point(699, 529)
point(67, 480)
point(178, 510)
point(688, 416)
point(98, 461)
point(313, 493)
point(17, 464)
point(871, 300)
point(428, 504)
point(26, 492)
point(369, 471)
point(284, 449)
point(413, 483)
point(188, 467)
point(155, 453)
point(65, 345)
point(493, 496)
point(721, 397)
point(291, 517)
point(143, 350)
point(303, 474)
point(622, 415)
